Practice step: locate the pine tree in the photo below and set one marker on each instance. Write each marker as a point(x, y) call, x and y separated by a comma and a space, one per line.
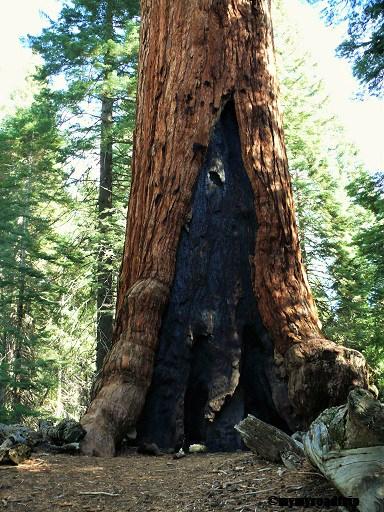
point(321, 160)
point(32, 194)
point(361, 311)
point(93, 45)
point(327, 176)
point(364, 44)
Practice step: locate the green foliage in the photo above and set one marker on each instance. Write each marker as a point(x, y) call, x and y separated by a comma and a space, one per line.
point(366, 271)
point(88, 53)
point(35, 258)
point(320, 160)
point(90, 59)
point(364, 45)
point(339, 207)
point(91, 52)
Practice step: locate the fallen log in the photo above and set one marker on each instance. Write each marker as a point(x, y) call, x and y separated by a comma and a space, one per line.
point(14, 453)
point(68, 448)
point(65, 432)
point(18, 441)
point(346, 443)
point(19, 434)
point(269, 442)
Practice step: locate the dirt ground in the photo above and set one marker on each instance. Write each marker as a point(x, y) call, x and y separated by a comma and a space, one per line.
point(237, 482)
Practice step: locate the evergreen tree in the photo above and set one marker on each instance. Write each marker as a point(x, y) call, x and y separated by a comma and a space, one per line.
point(32, 194)
point(364, 45)
point(333, 230)
point(363, 312)
point(320, 159)
point(93, 45)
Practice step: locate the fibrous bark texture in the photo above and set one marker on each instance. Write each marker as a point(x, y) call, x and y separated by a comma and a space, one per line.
point(214, 361)
point(210, 158)
point(269, 442)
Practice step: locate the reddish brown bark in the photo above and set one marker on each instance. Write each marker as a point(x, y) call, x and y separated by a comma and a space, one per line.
point(195, 56)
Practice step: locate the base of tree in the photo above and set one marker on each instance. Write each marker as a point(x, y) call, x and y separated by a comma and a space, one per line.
point(214, 359)
point(215, 362)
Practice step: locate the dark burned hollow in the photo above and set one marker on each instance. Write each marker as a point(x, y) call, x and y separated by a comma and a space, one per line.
point(211, 330)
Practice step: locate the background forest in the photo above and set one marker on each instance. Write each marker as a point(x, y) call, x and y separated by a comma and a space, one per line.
point(64, 189)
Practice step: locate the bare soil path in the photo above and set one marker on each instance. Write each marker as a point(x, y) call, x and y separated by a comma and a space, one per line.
point(236, 482)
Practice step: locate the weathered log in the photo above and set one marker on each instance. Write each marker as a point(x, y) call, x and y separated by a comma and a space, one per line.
point(67, 431)
point(19, 434)
point(269, 442)
point(12, 452)
point(69, 448)
point(18, 441)
point(347, 444)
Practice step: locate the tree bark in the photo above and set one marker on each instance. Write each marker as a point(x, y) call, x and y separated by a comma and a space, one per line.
point(105, 204)
point(104, 259)
point(269, 442)
point(210, 159)
point(20, 314)
point(18, 350)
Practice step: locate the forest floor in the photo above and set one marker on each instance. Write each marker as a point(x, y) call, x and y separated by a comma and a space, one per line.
point(236, 482)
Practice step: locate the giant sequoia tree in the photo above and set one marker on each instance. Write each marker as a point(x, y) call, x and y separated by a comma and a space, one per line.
point(215, 318)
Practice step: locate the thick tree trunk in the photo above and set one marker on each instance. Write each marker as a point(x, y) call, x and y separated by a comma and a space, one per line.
point(214, 308)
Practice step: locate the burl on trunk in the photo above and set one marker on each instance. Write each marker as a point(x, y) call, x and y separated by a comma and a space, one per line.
point(215, 318)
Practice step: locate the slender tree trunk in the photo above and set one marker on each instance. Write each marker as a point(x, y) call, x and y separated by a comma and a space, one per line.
point(17, 352)
point(3, 368)
point(59, 396)
point(211, 198)
point(20, 305)
point(104, 262)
